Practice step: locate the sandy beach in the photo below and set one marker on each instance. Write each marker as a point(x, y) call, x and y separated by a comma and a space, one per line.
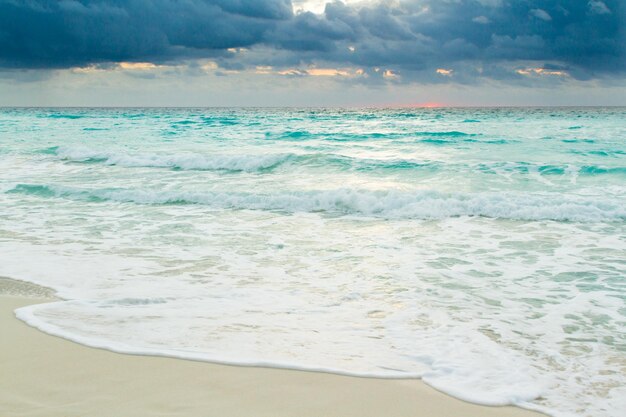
point(43, 375)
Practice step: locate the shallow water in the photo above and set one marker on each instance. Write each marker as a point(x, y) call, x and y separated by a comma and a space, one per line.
point(483, 250)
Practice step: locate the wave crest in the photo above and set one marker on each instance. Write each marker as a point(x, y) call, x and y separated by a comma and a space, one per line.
point(268, 162)
point(189, 161)
point(386, 204)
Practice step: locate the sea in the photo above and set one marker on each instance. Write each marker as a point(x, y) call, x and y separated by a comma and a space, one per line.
point(482, 250)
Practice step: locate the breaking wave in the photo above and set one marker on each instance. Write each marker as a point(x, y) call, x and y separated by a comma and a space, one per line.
point(385, 204)
point(267, 162)
point(183, 161)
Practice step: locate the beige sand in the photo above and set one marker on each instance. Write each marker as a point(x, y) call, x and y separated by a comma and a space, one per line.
point(42, 375)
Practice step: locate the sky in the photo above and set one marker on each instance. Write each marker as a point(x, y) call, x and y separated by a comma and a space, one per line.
point(372, 53)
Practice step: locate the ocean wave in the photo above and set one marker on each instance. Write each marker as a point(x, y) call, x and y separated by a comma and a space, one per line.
point(220, 120)
point(247, 163)
point(301, 135)
point(267, 162)
point(183, 161)
point(386, 204)
point(425, 136)
point(611, 153)
point(452, 133)
point(63, 116)
point(548, 169)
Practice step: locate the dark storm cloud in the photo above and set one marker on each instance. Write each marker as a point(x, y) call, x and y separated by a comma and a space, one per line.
point(62, 33)
point(487, 38)
point(587, 38)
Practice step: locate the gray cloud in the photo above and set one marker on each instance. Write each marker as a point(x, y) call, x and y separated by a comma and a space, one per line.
point(57, 34)
point(475, 38)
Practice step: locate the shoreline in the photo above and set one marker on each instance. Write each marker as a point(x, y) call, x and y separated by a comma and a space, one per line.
point(44, 375)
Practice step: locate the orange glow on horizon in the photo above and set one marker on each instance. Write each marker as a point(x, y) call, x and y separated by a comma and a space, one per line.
point(422, 105)
point(427, 105)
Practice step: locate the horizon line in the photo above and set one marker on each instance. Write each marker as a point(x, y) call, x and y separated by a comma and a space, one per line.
point(399, 107)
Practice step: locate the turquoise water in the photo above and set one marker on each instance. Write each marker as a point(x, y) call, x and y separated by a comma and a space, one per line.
point(483, 250)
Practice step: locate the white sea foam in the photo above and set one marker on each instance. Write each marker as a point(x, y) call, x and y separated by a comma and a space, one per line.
point(360, 301)
point(386, 204)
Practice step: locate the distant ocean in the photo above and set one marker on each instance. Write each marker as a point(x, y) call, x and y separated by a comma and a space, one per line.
point(483, 250)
